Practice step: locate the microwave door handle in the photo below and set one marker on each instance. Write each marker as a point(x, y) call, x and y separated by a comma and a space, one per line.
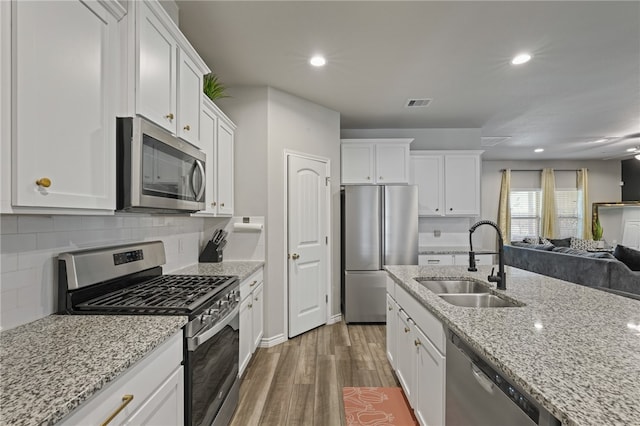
point(200, 192)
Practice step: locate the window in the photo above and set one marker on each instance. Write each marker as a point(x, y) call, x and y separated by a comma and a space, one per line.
point(567, 212)
point(525, 213)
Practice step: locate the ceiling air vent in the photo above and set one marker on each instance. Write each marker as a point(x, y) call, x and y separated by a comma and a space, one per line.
point(494, 140)
point(414, 103)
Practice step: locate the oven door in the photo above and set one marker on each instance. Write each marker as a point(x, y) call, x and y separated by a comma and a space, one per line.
point(212, 384)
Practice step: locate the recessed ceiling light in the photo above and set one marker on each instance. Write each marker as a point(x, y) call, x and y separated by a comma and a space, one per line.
point(631, 149)
point(520, 59)
point(538, 150)
point(318, 61)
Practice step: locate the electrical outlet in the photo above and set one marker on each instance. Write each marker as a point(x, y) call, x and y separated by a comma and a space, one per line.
point(436, 233)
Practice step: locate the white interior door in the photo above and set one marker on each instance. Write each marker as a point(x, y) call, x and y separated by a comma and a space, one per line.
point(307, 243)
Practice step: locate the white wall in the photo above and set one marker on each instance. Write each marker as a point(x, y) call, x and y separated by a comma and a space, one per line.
point(271, 121)
point(604, 183)
point(29, 245)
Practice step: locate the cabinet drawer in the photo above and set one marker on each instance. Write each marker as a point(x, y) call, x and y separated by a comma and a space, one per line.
point(141, 381)
point(435, 259)
point(428, 323)
point(251, 283)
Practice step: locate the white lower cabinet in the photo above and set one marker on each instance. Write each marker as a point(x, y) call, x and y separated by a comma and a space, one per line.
point(392, 325)
point(251, 317)
point(454, 259)
point(419, 342)
point(151, 392)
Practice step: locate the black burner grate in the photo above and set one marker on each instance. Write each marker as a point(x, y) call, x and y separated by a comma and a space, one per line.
point(166, 294)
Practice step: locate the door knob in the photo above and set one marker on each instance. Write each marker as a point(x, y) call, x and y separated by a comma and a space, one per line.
point(295, 256)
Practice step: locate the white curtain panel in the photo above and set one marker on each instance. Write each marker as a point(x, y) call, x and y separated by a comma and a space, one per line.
point(504, 207)
point(548, 213)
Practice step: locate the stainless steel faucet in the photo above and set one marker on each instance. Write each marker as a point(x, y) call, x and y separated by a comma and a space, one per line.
point(500, 279)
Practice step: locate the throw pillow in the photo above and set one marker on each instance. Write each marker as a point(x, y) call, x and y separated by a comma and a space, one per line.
point(563, 242)
point(628, 256)
point(531, 240)
point(576, 252)
point(545, 241)
point(580, 244)
point(547, 247)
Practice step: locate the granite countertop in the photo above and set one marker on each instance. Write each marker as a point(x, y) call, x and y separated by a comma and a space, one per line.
point(574, 349)
point(242, 268)
point(50, 366)
point(448, 250)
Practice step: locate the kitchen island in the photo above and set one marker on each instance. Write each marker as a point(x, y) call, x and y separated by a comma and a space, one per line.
point(573, 349)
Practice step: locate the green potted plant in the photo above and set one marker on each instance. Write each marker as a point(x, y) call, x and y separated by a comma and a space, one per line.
point(213, 88)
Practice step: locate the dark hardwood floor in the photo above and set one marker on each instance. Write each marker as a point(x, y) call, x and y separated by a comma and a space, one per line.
point(300, 381)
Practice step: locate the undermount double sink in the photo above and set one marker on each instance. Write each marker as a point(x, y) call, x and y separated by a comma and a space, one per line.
point(466, 293)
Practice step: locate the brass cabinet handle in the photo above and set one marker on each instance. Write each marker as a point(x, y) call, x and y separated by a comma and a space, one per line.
point(250, 305)
point(295, 256)
point(391, 308)
point(253, 283)
point(256, 298)
point(187, 127)
point(417, 342)
point(44, 182)
point(126, 399)
point(169, 116)
point(406, 329)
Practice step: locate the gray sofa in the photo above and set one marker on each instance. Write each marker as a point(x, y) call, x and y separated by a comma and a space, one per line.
point(605, 274)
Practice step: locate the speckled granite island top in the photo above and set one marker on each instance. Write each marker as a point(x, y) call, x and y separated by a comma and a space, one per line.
point(574, 349)
point(50, 366)
point(241, 268)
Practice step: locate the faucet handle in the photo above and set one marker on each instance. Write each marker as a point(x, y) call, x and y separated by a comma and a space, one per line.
point(472, 262)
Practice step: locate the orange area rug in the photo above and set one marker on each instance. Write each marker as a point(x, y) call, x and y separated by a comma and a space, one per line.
point(377, 407)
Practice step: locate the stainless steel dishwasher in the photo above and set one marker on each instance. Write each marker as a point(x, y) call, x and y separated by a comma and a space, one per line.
point(478, 394)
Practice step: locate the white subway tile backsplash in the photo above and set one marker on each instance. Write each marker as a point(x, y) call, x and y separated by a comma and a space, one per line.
point(28, 263)
point(15, 243)
point(32, 224)
point(8, 224)
point(8, 262)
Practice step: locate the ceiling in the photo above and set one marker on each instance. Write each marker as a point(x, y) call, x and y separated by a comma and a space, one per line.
point(582, 85)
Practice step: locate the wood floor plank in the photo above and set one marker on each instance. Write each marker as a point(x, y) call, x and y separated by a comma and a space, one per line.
point(305, 369)
point(327, 409)
point(253, 392)
point(277, 402)
point(302, 405)
point(341, 334)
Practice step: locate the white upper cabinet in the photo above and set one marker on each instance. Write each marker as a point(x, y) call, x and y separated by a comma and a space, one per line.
point(375, 161)
point(217, 140)
point(65, 79)
point(448, 182)
point(164, 71)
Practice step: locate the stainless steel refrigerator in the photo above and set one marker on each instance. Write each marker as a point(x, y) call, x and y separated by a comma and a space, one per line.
point(379, 227)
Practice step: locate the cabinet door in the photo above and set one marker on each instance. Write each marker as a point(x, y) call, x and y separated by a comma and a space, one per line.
point(392, 330)
point(405, 356)
point(189, 100)
point(156, 70)
point(257, 312)
point(66, 63)
point(208, 127)
point(427, 172)
point(246, 333)
point(462, 184)
point(392, 163)
point(165, 407)
point(357, 163)
point(429, 404)
point(225, 168)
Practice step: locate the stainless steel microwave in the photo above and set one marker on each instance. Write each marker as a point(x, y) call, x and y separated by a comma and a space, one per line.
point(156, 171)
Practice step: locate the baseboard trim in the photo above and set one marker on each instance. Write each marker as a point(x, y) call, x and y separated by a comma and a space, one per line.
point(273, 341)
point(334, 319)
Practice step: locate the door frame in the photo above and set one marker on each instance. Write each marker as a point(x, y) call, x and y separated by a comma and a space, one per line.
point(328, 247)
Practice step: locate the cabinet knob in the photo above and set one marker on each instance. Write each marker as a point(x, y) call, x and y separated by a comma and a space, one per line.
point(406, 329)
point(250, 305)
point(437, 210)
point(450, 209)
point(187, 127)
point(253, 283)
point(256, 298)
point(391, 308)
point(221, 204)
point(417, 342)
point(368, 178)
point(169, 116)
point(214, 204)
point(381, 178)
point(295, 256)
point(44, 182)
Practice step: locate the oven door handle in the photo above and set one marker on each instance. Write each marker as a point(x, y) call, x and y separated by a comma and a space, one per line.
point(197, 340)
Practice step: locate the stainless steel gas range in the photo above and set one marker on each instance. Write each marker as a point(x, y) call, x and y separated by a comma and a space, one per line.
point(128, 280)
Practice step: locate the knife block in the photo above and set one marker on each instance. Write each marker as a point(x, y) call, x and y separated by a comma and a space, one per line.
point(212, 253)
